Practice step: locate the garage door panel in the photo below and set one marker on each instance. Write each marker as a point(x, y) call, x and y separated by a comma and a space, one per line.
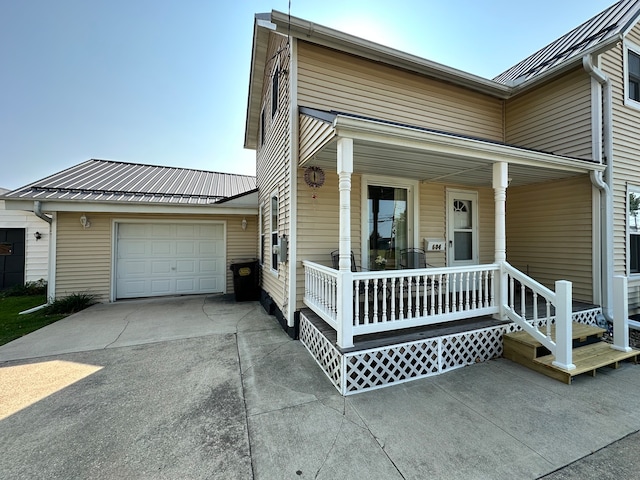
point(160, 230)
point(186, 266)
point(159, 267)
point(185, 248)
point(132, 248)
point(166, 259)
point(161, 286)
point(159, 247)
point(134, 268)
point(185, 285)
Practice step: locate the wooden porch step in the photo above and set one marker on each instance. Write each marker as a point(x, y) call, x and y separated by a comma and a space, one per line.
point(521, 344)
point(588, 359)
point(589, 353)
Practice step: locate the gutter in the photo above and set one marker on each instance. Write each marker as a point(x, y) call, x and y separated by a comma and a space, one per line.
point(604, 182)
point(37, 210)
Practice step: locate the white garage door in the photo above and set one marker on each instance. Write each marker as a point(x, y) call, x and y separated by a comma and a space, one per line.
point(156, 259)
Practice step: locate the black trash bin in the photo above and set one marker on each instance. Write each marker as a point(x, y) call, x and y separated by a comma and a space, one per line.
point(246, 280)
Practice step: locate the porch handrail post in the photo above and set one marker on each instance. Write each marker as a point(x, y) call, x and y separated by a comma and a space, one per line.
point(345, 310)
point(564, 334)
point(500, 184)
point(620, 314)
point(345, 277)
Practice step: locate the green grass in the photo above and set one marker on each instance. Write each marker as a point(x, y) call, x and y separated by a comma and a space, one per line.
point(14, 326)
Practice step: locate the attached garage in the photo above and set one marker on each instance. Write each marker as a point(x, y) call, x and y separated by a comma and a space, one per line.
point(123, 230)
point(155, 259)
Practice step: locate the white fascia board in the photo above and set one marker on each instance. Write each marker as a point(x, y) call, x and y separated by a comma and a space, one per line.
point(369, 130)
point(260, 44)
point(103, 207)
point(344, 42)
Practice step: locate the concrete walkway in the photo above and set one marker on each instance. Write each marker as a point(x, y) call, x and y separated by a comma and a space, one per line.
point(202, 387)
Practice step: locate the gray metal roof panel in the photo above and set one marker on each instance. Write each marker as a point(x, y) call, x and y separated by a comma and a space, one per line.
point(612, 22)
point(106, 180)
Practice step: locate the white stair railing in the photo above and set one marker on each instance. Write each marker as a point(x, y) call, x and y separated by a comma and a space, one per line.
point(521, 287)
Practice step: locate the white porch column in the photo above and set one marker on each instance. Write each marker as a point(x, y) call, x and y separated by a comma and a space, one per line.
point(500, 183)
point(620, 314)
point(345, 277)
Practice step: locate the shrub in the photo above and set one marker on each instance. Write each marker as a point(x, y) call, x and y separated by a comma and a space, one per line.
point(38, 287)
point(71, 304)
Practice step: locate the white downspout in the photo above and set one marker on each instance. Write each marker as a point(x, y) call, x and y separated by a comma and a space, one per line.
point(37, 210)
point(604, 184)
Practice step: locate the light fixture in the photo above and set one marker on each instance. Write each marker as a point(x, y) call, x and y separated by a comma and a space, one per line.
point(84, 221)
point(244, 224)
point(38, 235)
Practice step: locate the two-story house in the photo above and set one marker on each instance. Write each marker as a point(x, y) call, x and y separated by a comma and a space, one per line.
point(452, 203)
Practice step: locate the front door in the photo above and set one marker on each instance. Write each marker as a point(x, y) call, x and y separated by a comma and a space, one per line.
point(462, 228)
point(388, 227)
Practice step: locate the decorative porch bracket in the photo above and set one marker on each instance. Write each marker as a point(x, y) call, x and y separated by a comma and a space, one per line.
point(345, 277)
point(620, 314)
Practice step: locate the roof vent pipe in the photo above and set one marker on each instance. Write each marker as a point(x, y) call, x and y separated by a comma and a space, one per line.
point(37, 210)
point(604, 111)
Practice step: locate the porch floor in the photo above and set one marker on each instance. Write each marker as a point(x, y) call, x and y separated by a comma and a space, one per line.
point(394, 337)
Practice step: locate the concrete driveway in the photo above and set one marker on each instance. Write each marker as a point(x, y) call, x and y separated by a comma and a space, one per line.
point(202, 387)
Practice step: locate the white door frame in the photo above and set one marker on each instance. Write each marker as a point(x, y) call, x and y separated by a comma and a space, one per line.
point(471, 195)
point(413, 209)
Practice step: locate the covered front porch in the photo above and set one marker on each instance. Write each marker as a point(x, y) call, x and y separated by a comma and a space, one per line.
point(467, 275)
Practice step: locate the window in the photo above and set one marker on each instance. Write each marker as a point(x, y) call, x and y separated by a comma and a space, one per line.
point(633, 212)
point(275, 84)
point(274, 232)
point(262, 127)
point(632, 74)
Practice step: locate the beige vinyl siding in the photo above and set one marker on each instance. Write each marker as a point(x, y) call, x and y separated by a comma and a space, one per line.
point(549, 233)
point(84, 256)
point(319, 224)
point(272, 167)
point(554, 118)
point(626, 160)
point(314, 134)
point(330, 80)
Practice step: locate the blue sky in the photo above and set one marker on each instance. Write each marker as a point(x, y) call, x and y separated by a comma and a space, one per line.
point(165, 82)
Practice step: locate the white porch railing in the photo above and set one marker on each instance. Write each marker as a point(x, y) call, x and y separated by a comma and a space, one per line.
point(395, 299)
point(519, 288)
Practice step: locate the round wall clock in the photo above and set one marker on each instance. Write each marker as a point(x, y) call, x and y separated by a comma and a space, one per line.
point(314, 176)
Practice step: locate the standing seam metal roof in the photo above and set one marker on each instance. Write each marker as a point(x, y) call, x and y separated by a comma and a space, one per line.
point(107, 180)
point(608, 24)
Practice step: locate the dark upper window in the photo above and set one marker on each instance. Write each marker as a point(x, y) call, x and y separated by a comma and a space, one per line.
point(274, 91)
point(633, 72)
point(262, 128)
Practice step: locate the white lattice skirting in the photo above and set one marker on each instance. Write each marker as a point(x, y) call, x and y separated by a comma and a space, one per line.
point(364, 370)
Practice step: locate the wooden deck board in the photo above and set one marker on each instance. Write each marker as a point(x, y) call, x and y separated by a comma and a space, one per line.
point(522, 348)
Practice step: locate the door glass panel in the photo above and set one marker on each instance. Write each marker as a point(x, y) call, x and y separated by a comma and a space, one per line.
point(387, 226)
point(463, 245)
point(462, 214)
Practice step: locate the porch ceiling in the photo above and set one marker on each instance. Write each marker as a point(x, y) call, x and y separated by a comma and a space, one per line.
point(400, 151)
point(431, 167)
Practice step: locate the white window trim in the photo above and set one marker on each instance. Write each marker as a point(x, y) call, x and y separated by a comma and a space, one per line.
point(413, 199)
point(273, 195)
point(629, 189)
point(635, 49)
